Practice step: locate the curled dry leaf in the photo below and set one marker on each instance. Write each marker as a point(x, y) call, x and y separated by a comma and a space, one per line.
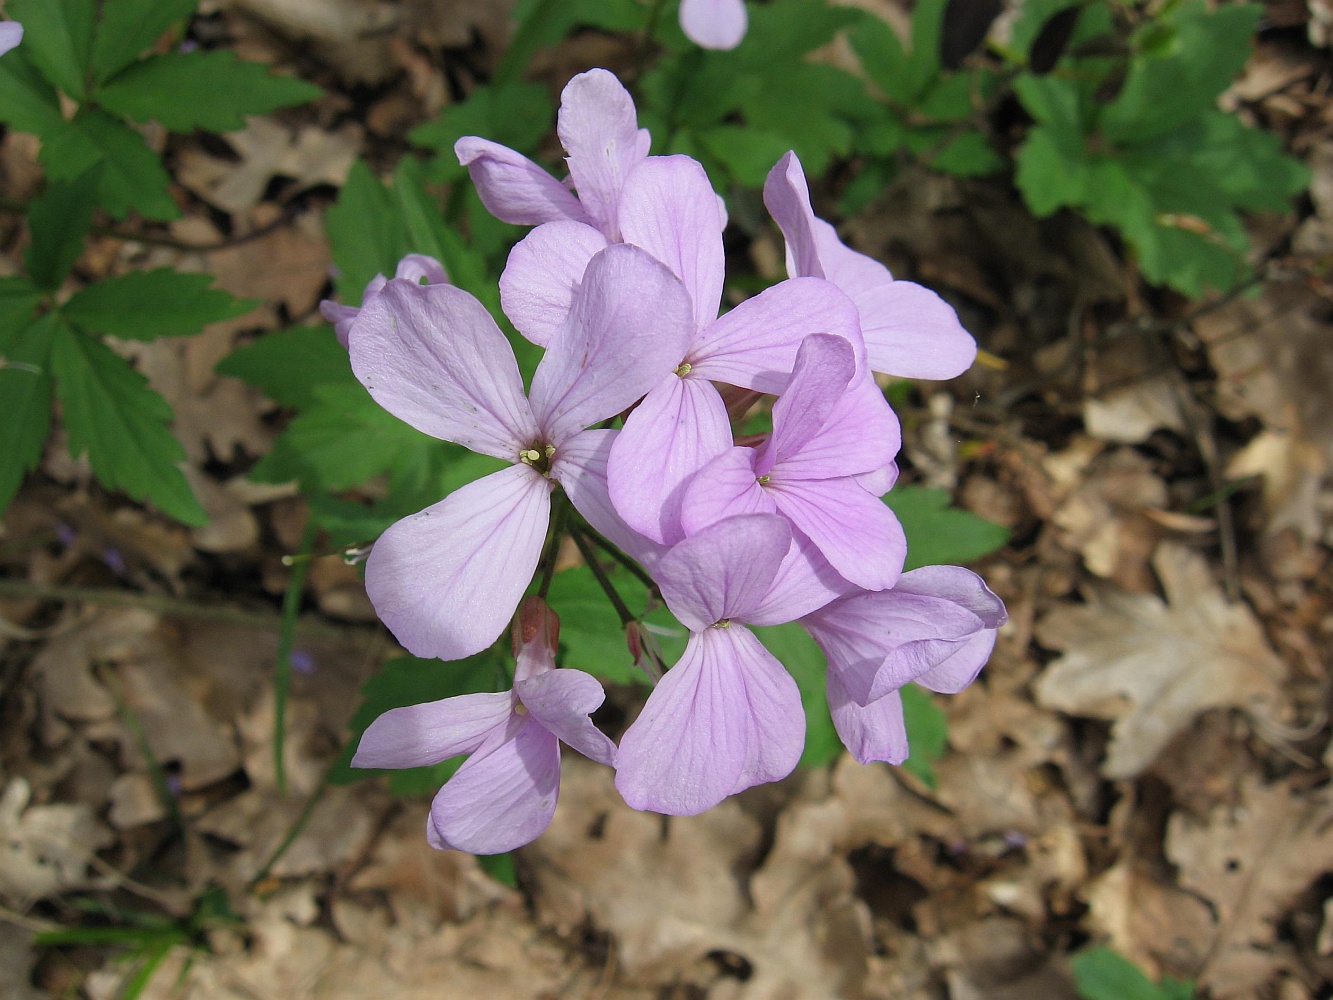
point(44, 849)
point(1251, 861)
point(1154, 665)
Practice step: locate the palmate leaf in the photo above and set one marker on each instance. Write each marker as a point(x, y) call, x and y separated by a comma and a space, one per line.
point(128, 28)
point(28, 102)
point(938, 534)
point(112, 414)
point(58, 34)
point(25, 387)
point(132, 176)
point(59, 221)
point(207, 90)
point(288, 365)
point(366, 232)
point(143, 305)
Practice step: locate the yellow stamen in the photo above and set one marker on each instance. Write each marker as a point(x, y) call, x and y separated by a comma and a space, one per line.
point(763, 479)
point(684, 369)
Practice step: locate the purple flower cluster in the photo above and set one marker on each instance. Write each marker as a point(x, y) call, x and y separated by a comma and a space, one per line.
point(621, 282)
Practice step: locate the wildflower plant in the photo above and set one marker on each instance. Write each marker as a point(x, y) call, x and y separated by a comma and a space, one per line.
point(624, 443)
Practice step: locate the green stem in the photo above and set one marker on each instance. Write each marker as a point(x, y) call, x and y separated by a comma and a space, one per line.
point(590, 557)
point(610, 549)
point(282, 681)
point(552, 551)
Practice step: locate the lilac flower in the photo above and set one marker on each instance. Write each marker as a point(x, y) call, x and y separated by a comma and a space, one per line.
point(447, 579)
point(599, 129)
point(727, 716)
point(11, 33)
point(505, 794)
point(909, 330)
point(714, 24)
point(937, 627)
point(830, 427)
point(415, 267)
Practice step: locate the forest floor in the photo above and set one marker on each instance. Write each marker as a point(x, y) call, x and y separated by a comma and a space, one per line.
point(1144, 763)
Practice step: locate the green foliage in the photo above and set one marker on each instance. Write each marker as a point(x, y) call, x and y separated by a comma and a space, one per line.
point(143, 305)
point(58, 222)
point(927, 732)
point(25, 386)
point(408, 680)
point(91, 52)
point(289, 365)
point(591, 636)
point(794, 648)
point(938, 534)
point(1102, 974)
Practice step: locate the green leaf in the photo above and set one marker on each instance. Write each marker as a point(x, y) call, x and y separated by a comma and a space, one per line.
point(1200, 52)
point(784, 30)
point(408, 680)
point(112, 414)
point(927, 732)
point(747, 153)
point(516, 115)
point(804, 660)
point(970, 155)
point(58, 34)
point(289, 365)
point(143, 305)
point(938, 534)
point(59, 221)
point(25, 386)
point(1046, 175)
point(499, 867)
point(207, 90)
point(591, 636)
point(19, 299)
point(1102, 974)
point(366, 232)
point(27, 101)
point(129, 27)
point(132, 174)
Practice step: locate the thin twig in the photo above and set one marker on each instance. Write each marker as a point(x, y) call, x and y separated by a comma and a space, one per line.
point(610, 549)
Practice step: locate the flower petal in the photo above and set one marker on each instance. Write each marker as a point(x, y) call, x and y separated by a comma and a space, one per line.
point(11, 33)
point(504, 795)
point(446, 581)
point(714, 24)
point(579, 466)
point(872, 732)
point(961, 669)
point(804, 583)
point(432, 356)
point(823, 368)
point(426, 734)
point(959, 585)
point(725, 487)
point(599, 129)
point(513, 188)
point(913, 333)
point(755, 344)
point(859, 435)
point(422, 269)
point(544, 270)
point(561, 700)
point(678, 428)
point(628, 329)
point(857, 533)
point(726, 717)
point(725, 570)
point(669, 209)
point(787, 197)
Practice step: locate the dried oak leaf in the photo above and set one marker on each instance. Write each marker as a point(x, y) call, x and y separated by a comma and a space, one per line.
point(1154, 665)
point(46, 847)
point(1251, 861)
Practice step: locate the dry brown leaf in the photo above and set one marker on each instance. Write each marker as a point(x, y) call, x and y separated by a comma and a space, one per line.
point(289, 266)
point(1158, 927)
point(1153, 666)
point(1251, 861)
point(351, 35)
point(45, 848)
point(1131, 414)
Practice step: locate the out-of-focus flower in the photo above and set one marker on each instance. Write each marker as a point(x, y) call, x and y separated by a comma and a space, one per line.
point(11, 33)
point(714, 24)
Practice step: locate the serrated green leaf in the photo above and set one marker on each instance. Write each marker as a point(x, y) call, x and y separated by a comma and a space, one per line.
point(128, 28)
point(25, 386)
point(408, 680)
point(804, 660)
point(1032, 17)
point(143, 305)
point(19, 299)
point(58, 34)
point(207, 90)
point(927, 732)
point(938, 534)
point(883, 57)
point(112, 414)
point(591, 636)
point(747, 153)
point(1202, 52)
point(1046, 175)
point(132, 174)
point(1102, 974)
point(784, 30)
point(969, 155)
point(816, 108)
point(542, 23)
point(288, 365)
point(366, 232)
point(58, 221)
point(28, 102)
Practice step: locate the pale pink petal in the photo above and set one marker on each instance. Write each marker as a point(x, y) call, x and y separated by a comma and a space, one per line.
point(544, 270)
point(824, 366)
point(628, 329)
point(579, 466)
point(678, 428)
point(804, 583)
point(725, 487)
point(787, 197)
point(879, 481)
point(872, 732)
point(911, 332)
point(726, 717)
point(669, 209)
point(446, 580)
point(857, 533)
point(503, 796)
point(11, 33)
point(860, 435)
point(959, 670)
point(959, 586)
point(755, 344)
point(723, 571)
point(432, 356)
point(422, 269)
point(599, 129)
point(714, 24)
point(426, 734)
point(513, 188)
point(561, 700)
point(342, 317)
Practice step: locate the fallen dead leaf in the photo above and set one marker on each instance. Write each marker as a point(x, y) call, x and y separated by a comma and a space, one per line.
point(1131, 414)
point(1154, 665)
point(45, 848)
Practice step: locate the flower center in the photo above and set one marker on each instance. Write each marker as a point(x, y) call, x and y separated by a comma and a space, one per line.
point(684, 369)
point(763, 480)
point(538, 456)
point(724, 623)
